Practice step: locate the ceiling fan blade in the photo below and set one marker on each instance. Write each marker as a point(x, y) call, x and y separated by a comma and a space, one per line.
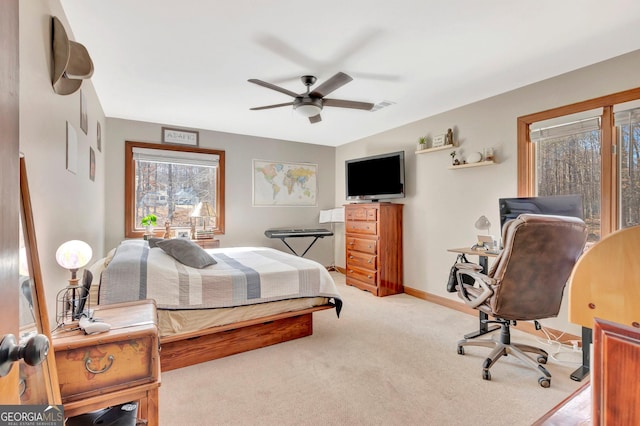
point(347, 104)
point(315, 119)
point(271, 106)
point(335, 82)
point(272, 87)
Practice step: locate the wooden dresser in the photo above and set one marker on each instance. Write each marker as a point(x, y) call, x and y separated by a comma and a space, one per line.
point(374, 247)
point(119, 366)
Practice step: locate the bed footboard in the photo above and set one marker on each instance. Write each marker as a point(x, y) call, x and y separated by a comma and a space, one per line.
point(217, 342)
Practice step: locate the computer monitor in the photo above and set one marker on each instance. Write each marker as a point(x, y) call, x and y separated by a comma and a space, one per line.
point(561, 205)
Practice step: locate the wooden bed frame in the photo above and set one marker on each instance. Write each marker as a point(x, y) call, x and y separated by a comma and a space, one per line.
point(191, 348)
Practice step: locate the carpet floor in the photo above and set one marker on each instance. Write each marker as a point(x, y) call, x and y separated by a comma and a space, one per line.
point(385, 361)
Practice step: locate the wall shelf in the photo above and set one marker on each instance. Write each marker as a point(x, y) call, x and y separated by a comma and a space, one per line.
point(439, 148)
point(480, 164)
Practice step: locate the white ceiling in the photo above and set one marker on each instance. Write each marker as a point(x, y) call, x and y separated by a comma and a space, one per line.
point(186, 63)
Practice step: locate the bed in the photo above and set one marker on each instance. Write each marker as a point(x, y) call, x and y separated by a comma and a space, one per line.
point(250, 298)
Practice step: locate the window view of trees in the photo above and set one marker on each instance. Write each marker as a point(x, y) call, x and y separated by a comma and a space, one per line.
point(563, 150)
point(171, 190)
point(571, 165)
point(629, 173)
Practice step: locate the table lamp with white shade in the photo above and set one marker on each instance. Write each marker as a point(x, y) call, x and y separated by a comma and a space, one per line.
point(72, 255)
point(205, 211)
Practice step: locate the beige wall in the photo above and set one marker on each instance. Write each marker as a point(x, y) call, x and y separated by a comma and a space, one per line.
point(65, 206)
point(441, 204)
point(244, 223)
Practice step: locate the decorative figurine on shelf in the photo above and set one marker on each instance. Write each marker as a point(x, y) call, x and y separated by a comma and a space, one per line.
point(454, 160)
point(449, 137)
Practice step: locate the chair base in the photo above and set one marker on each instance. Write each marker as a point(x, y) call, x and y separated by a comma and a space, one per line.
point(504, 347)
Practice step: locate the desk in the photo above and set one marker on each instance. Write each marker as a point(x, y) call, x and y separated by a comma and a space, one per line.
point(483, 261)
point(283, 234)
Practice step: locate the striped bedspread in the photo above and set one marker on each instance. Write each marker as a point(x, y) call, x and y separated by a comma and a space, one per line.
point(242, 276)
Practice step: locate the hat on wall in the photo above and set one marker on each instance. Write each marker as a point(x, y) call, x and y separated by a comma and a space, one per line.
point(71, 61)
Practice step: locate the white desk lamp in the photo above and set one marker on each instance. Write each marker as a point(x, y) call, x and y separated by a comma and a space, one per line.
point(485, 242)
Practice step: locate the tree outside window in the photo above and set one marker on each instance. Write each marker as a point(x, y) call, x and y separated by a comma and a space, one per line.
point(169, 181)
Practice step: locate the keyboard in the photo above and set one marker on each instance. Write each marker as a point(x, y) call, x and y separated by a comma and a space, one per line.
point(290, 233)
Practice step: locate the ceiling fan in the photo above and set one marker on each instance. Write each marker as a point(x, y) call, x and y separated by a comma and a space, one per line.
point(310, 104)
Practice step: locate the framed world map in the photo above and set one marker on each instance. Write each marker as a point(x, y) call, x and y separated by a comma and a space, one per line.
point(277, 183)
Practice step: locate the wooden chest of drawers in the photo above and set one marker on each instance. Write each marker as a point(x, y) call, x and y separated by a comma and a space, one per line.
point(374, 247)
point(117, 366)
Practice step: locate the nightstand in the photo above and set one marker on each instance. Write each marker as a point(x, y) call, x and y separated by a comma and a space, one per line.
point(208, 243)
point(105, 369)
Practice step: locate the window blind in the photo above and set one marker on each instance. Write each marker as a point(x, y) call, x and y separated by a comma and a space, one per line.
point(186, 158)
point(566, 129)
point(630, 116)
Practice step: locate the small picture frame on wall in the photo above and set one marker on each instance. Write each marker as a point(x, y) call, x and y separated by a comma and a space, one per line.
point(92, 164)
point(98, 136)
point(438, 140)
point(84, 118)
point(72, 149)
point(179, 136)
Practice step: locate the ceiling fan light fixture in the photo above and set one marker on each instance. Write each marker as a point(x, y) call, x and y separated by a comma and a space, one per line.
point(308, 110)
point(307, 106)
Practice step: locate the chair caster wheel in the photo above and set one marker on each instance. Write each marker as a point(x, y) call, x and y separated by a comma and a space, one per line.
point(544, 382)
point(542, 359)
point(460, 350)
point(486, 375)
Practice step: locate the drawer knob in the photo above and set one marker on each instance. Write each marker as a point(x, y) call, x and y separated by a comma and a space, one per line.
point(351, 243)
point(350, 257)
point(369, 276)
point(87, 365)
point(369, 261)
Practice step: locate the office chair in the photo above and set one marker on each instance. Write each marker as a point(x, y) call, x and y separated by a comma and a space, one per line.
point(525, 282)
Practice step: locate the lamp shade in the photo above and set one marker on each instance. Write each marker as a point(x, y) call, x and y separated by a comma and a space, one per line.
point(203, 209)
point(74, 254)
point(482, 223)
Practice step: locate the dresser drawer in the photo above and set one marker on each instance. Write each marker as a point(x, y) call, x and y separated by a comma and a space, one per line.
point(360, 244)
point(361, 227)
point(362, 213)
point(363, 275)
point(106, 367)
point(362, 260)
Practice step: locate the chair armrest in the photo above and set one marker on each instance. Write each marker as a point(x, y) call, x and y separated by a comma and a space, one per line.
point(471, 295)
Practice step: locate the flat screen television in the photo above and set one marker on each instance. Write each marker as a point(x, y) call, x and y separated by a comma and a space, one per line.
point(561, 205)
point(374, 178)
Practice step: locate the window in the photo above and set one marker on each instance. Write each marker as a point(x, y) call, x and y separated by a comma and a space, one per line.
point(577, 157)
point(567, 159)
point(628, 142)
point(169, 181)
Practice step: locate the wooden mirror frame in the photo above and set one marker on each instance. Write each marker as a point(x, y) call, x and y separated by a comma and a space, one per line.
point(49, 369)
